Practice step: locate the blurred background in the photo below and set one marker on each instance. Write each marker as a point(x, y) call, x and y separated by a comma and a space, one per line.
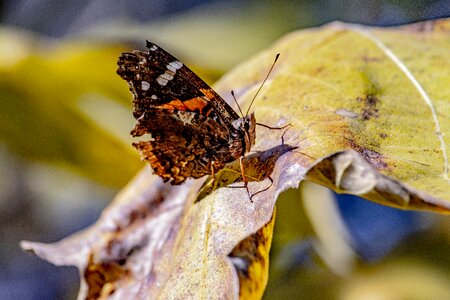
point(65, 151)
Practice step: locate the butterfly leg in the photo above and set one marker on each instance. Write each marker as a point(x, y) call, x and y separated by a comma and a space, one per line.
point(214, 182)
point(244, 179)
point(282, 136)
point(263, 190)
point(213, 170)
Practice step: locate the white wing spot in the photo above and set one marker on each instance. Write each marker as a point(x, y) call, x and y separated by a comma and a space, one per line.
point(171, 68)
point(154, 97)
point(166, 76)
point(153, 48)
point(186, 118)
point(141, 117)
point(145, 85)
point(162, 81)
point(175, 64)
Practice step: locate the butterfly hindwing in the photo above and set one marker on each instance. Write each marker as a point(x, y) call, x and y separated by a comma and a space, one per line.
point(184, 144)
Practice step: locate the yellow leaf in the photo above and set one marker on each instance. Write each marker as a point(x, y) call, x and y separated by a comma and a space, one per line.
point(381, 93)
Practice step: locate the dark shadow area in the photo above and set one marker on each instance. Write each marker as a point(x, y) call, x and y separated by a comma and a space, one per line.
point(257, 166)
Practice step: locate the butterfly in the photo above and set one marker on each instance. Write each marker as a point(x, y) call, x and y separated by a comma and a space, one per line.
point(194, 132)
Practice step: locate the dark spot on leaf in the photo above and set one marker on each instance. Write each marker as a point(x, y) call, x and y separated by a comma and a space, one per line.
point(318, 70)
point(371, 156)
point(374, 158)
point(368, 59)
point(98, 275)
point(141, 213)
point(369, 109)
point(383, 135)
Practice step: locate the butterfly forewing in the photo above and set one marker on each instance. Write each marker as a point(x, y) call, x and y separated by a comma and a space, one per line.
point(157, 78)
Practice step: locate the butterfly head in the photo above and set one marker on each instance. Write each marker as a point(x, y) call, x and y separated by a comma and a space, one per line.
point(246, 126)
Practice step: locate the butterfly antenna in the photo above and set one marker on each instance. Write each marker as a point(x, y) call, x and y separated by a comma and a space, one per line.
point(262, 84)
point(234, 97)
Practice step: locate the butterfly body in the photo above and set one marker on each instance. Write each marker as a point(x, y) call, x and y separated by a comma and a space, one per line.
point(194, 132)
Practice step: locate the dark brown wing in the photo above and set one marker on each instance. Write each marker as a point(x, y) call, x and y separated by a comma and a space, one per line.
point(157, 79)
point(184, 144)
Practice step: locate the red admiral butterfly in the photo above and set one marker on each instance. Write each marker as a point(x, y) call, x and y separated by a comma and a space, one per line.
point(194, 131)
